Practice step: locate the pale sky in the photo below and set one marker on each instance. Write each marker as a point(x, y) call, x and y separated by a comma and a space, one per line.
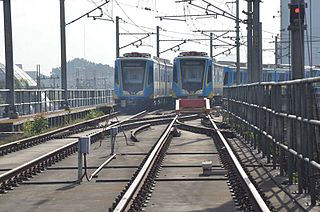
point(36, 29)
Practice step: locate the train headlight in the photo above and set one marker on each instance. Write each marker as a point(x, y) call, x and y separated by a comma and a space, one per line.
point(114, 95)
point(174, 95)
point(140, 93)
point(184, 92)
point(126, 93)
point(199, 91)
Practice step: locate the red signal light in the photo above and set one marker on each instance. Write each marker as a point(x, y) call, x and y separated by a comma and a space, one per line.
point(297, 10)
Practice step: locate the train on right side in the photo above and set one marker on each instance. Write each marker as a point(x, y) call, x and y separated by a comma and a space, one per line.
point(196, 75)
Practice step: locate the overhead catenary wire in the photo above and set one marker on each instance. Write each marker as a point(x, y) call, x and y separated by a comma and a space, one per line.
point(87, 14)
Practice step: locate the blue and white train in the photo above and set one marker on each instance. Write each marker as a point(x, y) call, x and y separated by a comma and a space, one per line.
point(192, 75)
point(142, 82)
point(225, 75)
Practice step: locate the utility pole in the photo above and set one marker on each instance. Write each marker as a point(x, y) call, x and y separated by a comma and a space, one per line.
point(311, 46)
point(238, 41)
point(275, 53)
point(11, 108)
point(211, 52)
point(158, 41)
point(297, 27)
point(117, 38)
point(65, 103)
point(257, 43)
point(38, 77)
point(249, 41)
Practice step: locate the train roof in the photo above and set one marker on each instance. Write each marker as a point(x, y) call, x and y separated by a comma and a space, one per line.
point(154, 58)
point(193, 54)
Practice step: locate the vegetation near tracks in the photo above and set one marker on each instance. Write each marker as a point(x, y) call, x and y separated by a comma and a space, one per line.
point(40, 125)
point(94, 114)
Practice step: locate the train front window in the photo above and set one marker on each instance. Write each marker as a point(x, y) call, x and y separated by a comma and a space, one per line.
point(192, 74)
point(133, 72)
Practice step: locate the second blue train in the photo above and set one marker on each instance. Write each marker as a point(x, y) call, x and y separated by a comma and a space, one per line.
point(192, 75)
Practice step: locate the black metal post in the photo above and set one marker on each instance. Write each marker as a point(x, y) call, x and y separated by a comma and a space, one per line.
point(211, 52)
point(297, 43)
point(249, 41)
point(65, 103)
point(158, 41)
point(38, 76)
point(117, 38)
point(260, 53)
point(311, 39)
point(238, 41)
point(10, 110)
point(275, 52)
point(256, 52)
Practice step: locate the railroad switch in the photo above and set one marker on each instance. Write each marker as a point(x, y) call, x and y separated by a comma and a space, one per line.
point(175, 132)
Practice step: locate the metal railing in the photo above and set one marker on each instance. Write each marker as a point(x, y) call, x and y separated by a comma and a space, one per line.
point(30, 101)
point(281, 120)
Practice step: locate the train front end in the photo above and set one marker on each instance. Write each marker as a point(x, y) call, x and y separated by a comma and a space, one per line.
point(133, 81)
point(192, 80)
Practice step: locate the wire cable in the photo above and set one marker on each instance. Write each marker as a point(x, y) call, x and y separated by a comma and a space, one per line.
point(85, 174)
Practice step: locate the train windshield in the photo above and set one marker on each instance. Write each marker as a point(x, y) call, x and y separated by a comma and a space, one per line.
point(133, 72)
point(192, 71)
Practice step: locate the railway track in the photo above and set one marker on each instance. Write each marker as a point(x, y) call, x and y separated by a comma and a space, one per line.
point(138, 194)
point(170, 175)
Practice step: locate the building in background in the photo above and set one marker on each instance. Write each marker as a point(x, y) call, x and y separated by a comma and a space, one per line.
point(44, 81)
point(21, 78)
point(312, 33)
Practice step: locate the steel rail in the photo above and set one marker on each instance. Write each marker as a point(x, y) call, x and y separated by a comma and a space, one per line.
point(101, 166)
point(138, 130)
point(31, 141)
point(137, 182)
point(13, 176)
point(195, 129)
point(149, 118)
point(152, 122)
point(259, 202)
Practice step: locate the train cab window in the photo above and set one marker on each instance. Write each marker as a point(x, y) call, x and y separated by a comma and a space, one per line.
point(245, 77)
point(175, 74)
point(133, 75)
point(264, 77)
point(281, 77)
point(235, 76)
point(150, 76)
point(269, 77)
point(209, 78)
point(225, 80)
point(307, 74)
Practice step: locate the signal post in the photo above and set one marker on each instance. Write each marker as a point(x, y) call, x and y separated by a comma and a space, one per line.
point(297, 27)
